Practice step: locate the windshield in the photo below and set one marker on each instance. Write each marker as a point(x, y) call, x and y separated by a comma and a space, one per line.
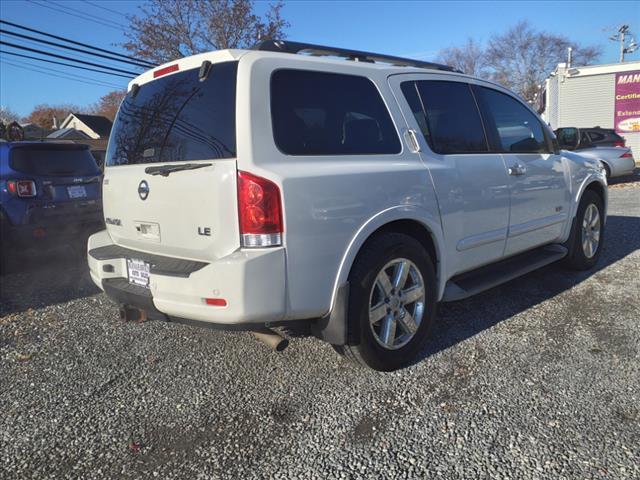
point(177, 118)
point(54, 160)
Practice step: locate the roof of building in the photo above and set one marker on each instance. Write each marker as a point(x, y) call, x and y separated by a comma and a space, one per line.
point(99, 124)
point(68, 133)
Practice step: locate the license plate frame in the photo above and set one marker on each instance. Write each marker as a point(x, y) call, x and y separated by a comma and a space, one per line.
point(77, 191)
point(138, 272)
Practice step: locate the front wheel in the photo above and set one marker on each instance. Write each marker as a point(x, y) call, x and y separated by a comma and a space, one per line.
point(392, 302)
point(587, 235)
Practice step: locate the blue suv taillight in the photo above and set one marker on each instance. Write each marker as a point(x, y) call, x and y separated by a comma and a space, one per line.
point(22, 188)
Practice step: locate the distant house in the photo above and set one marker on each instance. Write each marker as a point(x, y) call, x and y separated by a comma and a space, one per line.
point(95, 126)
point(69, 134)
point(34, 132)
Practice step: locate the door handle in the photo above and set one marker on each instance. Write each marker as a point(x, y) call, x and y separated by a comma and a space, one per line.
point(412, 140)
point(517, 170)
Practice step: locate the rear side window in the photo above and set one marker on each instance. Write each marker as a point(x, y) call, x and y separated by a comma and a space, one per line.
point(317, 113)
point(596, 136)
point(447, 115)
point(53, 161)
point(515, 128)
point(177, 118)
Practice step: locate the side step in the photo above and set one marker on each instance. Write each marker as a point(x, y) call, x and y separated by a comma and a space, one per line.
point(469, 283)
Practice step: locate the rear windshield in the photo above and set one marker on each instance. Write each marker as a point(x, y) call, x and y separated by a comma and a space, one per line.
point(177, 118)
point(54, 161)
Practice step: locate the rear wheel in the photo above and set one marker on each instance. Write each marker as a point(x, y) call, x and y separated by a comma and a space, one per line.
point(607, 170)
point(392, 302)
point(585, 242)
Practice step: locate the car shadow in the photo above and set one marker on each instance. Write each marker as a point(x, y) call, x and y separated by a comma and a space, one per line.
point(461, 320)
point(36, 280)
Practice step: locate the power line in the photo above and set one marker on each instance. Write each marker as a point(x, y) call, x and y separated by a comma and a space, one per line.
point(99, 84)
point(4, 52)
point(59, 4)
point(64, 39)
point(51, 7)
point(42, 52)
point(105, 8)
point(58, 45)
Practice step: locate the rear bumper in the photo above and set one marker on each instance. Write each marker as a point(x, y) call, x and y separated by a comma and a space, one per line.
point(252, 282)
point(623, 166)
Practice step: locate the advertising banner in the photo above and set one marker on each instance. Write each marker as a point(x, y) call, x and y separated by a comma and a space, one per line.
point(627, 104)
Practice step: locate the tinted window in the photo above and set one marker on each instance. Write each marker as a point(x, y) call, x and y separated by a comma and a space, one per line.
point(447, 115)
point(596, 136)
point(518, 129)
point(54, 160)
point(176, 118)
point(316, 113)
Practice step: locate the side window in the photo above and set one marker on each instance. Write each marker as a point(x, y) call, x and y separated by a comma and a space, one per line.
point(596, 136)
point(518, 129)
point(447, 115)
point(317, 113)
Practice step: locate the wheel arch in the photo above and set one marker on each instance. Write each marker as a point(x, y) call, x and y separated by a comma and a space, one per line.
point(413, 221)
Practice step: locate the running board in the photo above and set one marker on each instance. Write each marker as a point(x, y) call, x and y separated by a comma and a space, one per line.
point(469, 283)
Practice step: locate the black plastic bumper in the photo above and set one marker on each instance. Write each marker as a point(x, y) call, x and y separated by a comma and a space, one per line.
point(128, 295)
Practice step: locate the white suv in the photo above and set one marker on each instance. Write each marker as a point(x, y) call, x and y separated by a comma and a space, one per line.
point(350, 190)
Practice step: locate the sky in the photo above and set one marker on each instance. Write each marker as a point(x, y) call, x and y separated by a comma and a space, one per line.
point(415, 29)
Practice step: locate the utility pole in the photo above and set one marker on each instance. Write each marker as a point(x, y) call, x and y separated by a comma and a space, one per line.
point(621, 37)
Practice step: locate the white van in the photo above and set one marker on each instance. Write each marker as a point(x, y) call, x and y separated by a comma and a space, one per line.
point(350, 190)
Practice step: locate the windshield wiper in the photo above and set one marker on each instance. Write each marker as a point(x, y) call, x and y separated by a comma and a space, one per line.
point(165, 171)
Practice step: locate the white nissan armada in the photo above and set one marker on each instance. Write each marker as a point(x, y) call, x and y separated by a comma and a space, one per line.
point(349, 190)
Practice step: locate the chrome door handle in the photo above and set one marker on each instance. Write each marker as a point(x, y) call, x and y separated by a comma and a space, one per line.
point(412, 140)
point(517, 170)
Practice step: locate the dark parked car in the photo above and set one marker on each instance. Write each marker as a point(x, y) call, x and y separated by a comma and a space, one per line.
point(593, 137)
point(50, 194)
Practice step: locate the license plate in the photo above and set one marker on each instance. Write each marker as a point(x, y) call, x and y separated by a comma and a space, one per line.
point(138, 272)
point(77, 191)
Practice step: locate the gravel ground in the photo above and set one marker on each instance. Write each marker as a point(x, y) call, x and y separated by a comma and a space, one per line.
point(539, 378)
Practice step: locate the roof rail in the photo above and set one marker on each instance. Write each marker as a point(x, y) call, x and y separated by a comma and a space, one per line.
point(285, 46)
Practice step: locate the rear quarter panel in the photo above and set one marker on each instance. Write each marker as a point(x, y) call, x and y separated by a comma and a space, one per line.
point(331, 203)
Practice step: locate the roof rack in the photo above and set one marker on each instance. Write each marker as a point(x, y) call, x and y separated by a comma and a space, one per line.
point(283, 46)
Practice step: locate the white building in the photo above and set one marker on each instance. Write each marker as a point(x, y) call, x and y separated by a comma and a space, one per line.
point(586, 97)
point(94, 126)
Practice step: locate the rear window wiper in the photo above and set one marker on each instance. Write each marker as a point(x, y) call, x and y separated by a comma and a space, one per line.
point(168, 169)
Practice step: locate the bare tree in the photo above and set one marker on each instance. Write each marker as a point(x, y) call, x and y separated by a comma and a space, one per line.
point(522, 58)
point(108, 104)
point(43, 114)
point(7, 115)
point(170, 29)
point(470, 58)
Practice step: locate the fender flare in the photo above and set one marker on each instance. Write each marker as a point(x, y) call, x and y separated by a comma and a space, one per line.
point(577, 196)
point(333, 326)
point(591, 178)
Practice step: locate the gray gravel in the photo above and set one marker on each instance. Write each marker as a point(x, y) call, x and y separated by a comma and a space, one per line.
point(539, 378)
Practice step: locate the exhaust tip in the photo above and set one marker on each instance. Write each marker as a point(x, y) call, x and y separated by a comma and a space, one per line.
point(271, 339)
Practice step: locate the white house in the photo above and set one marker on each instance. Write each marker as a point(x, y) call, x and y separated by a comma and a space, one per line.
point(94, 126)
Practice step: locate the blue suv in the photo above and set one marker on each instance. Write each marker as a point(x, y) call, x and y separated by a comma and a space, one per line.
point(50, 194)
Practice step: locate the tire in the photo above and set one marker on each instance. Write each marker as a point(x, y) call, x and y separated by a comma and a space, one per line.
point(389, 343)
point(582, 253)
point(607, 170)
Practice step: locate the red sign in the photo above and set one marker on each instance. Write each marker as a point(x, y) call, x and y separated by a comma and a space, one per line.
point(627, 106)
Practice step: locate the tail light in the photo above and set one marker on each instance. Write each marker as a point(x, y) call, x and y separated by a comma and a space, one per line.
point(260, 211)
point(619, 144)
point(22, 188)
point(626, 155)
